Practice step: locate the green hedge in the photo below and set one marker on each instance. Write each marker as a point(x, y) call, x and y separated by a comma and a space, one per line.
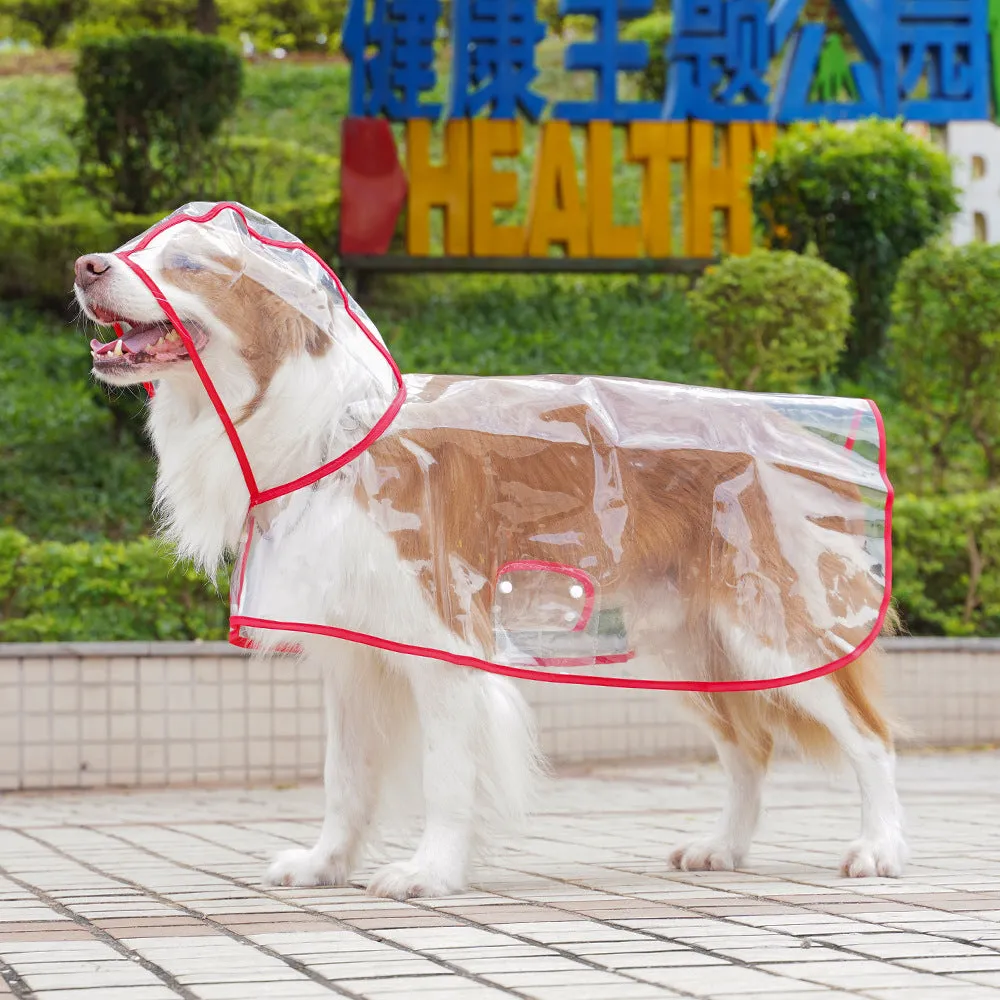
point(37, 253)
point(947, 581)
point(946, 556)
point(107, 591)
point(297, 25)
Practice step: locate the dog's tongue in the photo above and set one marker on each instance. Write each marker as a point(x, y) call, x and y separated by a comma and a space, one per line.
point(153, 338)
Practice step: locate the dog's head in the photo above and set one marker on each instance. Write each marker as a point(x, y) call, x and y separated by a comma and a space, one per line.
point(246, 306)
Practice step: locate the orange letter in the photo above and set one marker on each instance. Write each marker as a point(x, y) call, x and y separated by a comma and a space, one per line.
point(445, 186)
point(656, 145)
point(494, 188)
point(724, 187)
point(556, 214)
point(606, 239)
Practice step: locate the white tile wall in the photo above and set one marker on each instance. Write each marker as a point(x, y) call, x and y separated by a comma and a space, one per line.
point(200, 713)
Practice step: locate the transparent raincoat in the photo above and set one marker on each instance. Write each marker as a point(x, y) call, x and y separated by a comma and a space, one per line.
point(579, 529)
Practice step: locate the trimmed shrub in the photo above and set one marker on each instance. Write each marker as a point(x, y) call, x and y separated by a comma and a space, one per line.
point(266, 171)
point(153, 104)
point(946, 568)
point(252, 171)
point(47, 192)
point(525, 324)
point(945, 349)
point(774, 321)
point(107, 591)
point(656, 30)
point(946, 563)
point(867, 197)
point(37, 252)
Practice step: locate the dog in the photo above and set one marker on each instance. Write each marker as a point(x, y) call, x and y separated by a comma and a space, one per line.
point(293, 392)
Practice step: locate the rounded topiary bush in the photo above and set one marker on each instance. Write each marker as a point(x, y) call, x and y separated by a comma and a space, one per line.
point(774, 321)
point(866, 196)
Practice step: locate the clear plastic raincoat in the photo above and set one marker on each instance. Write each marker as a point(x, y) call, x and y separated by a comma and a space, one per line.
point(576, 529)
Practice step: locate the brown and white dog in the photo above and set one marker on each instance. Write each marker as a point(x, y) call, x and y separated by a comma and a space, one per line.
point(288, 391)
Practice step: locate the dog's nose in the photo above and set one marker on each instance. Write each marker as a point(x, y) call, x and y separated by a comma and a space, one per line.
point(91, 268)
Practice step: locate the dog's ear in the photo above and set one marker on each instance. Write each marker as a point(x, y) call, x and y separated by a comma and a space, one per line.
point(272, 330)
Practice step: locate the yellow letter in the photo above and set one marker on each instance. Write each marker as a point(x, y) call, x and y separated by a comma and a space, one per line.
point(445, 186)
point(494, 188)
point(724, 187)
point(606, 239)
point(656, 145)
point(556, 214)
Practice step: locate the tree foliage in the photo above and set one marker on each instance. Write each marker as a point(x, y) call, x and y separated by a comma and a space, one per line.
point(866, 197)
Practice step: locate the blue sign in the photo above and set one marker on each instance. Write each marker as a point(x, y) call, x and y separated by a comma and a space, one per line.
point(728, 60)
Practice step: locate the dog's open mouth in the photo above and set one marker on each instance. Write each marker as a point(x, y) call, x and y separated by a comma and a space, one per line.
point(142, 343)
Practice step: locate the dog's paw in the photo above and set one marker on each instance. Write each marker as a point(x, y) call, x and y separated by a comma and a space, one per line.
point(870, 858)
point(302, 867)
point(706, 856)
point(404, 880)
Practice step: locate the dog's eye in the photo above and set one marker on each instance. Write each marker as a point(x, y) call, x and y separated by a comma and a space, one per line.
point(181, 262)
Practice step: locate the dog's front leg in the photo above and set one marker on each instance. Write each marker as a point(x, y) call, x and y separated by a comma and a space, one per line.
point(351, 774)
point(446, 703)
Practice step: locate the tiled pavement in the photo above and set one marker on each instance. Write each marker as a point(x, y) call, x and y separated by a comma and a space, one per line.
point(157, 894)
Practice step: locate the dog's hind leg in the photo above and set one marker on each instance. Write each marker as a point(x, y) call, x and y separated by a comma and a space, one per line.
point(352, 771)
point(830, 716)
point(744, 757)
point(842, 706)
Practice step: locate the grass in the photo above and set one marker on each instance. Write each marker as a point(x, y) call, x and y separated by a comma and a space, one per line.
point(525, 324)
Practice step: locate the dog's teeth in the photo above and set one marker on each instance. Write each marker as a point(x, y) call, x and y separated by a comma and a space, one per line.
point(172, 336)
point(118, 348)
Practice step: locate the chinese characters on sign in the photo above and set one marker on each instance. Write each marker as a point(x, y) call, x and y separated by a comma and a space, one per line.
point(729, 60)
point(729, 63)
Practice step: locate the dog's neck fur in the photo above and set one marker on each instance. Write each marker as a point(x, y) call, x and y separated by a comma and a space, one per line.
point(308, 416)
